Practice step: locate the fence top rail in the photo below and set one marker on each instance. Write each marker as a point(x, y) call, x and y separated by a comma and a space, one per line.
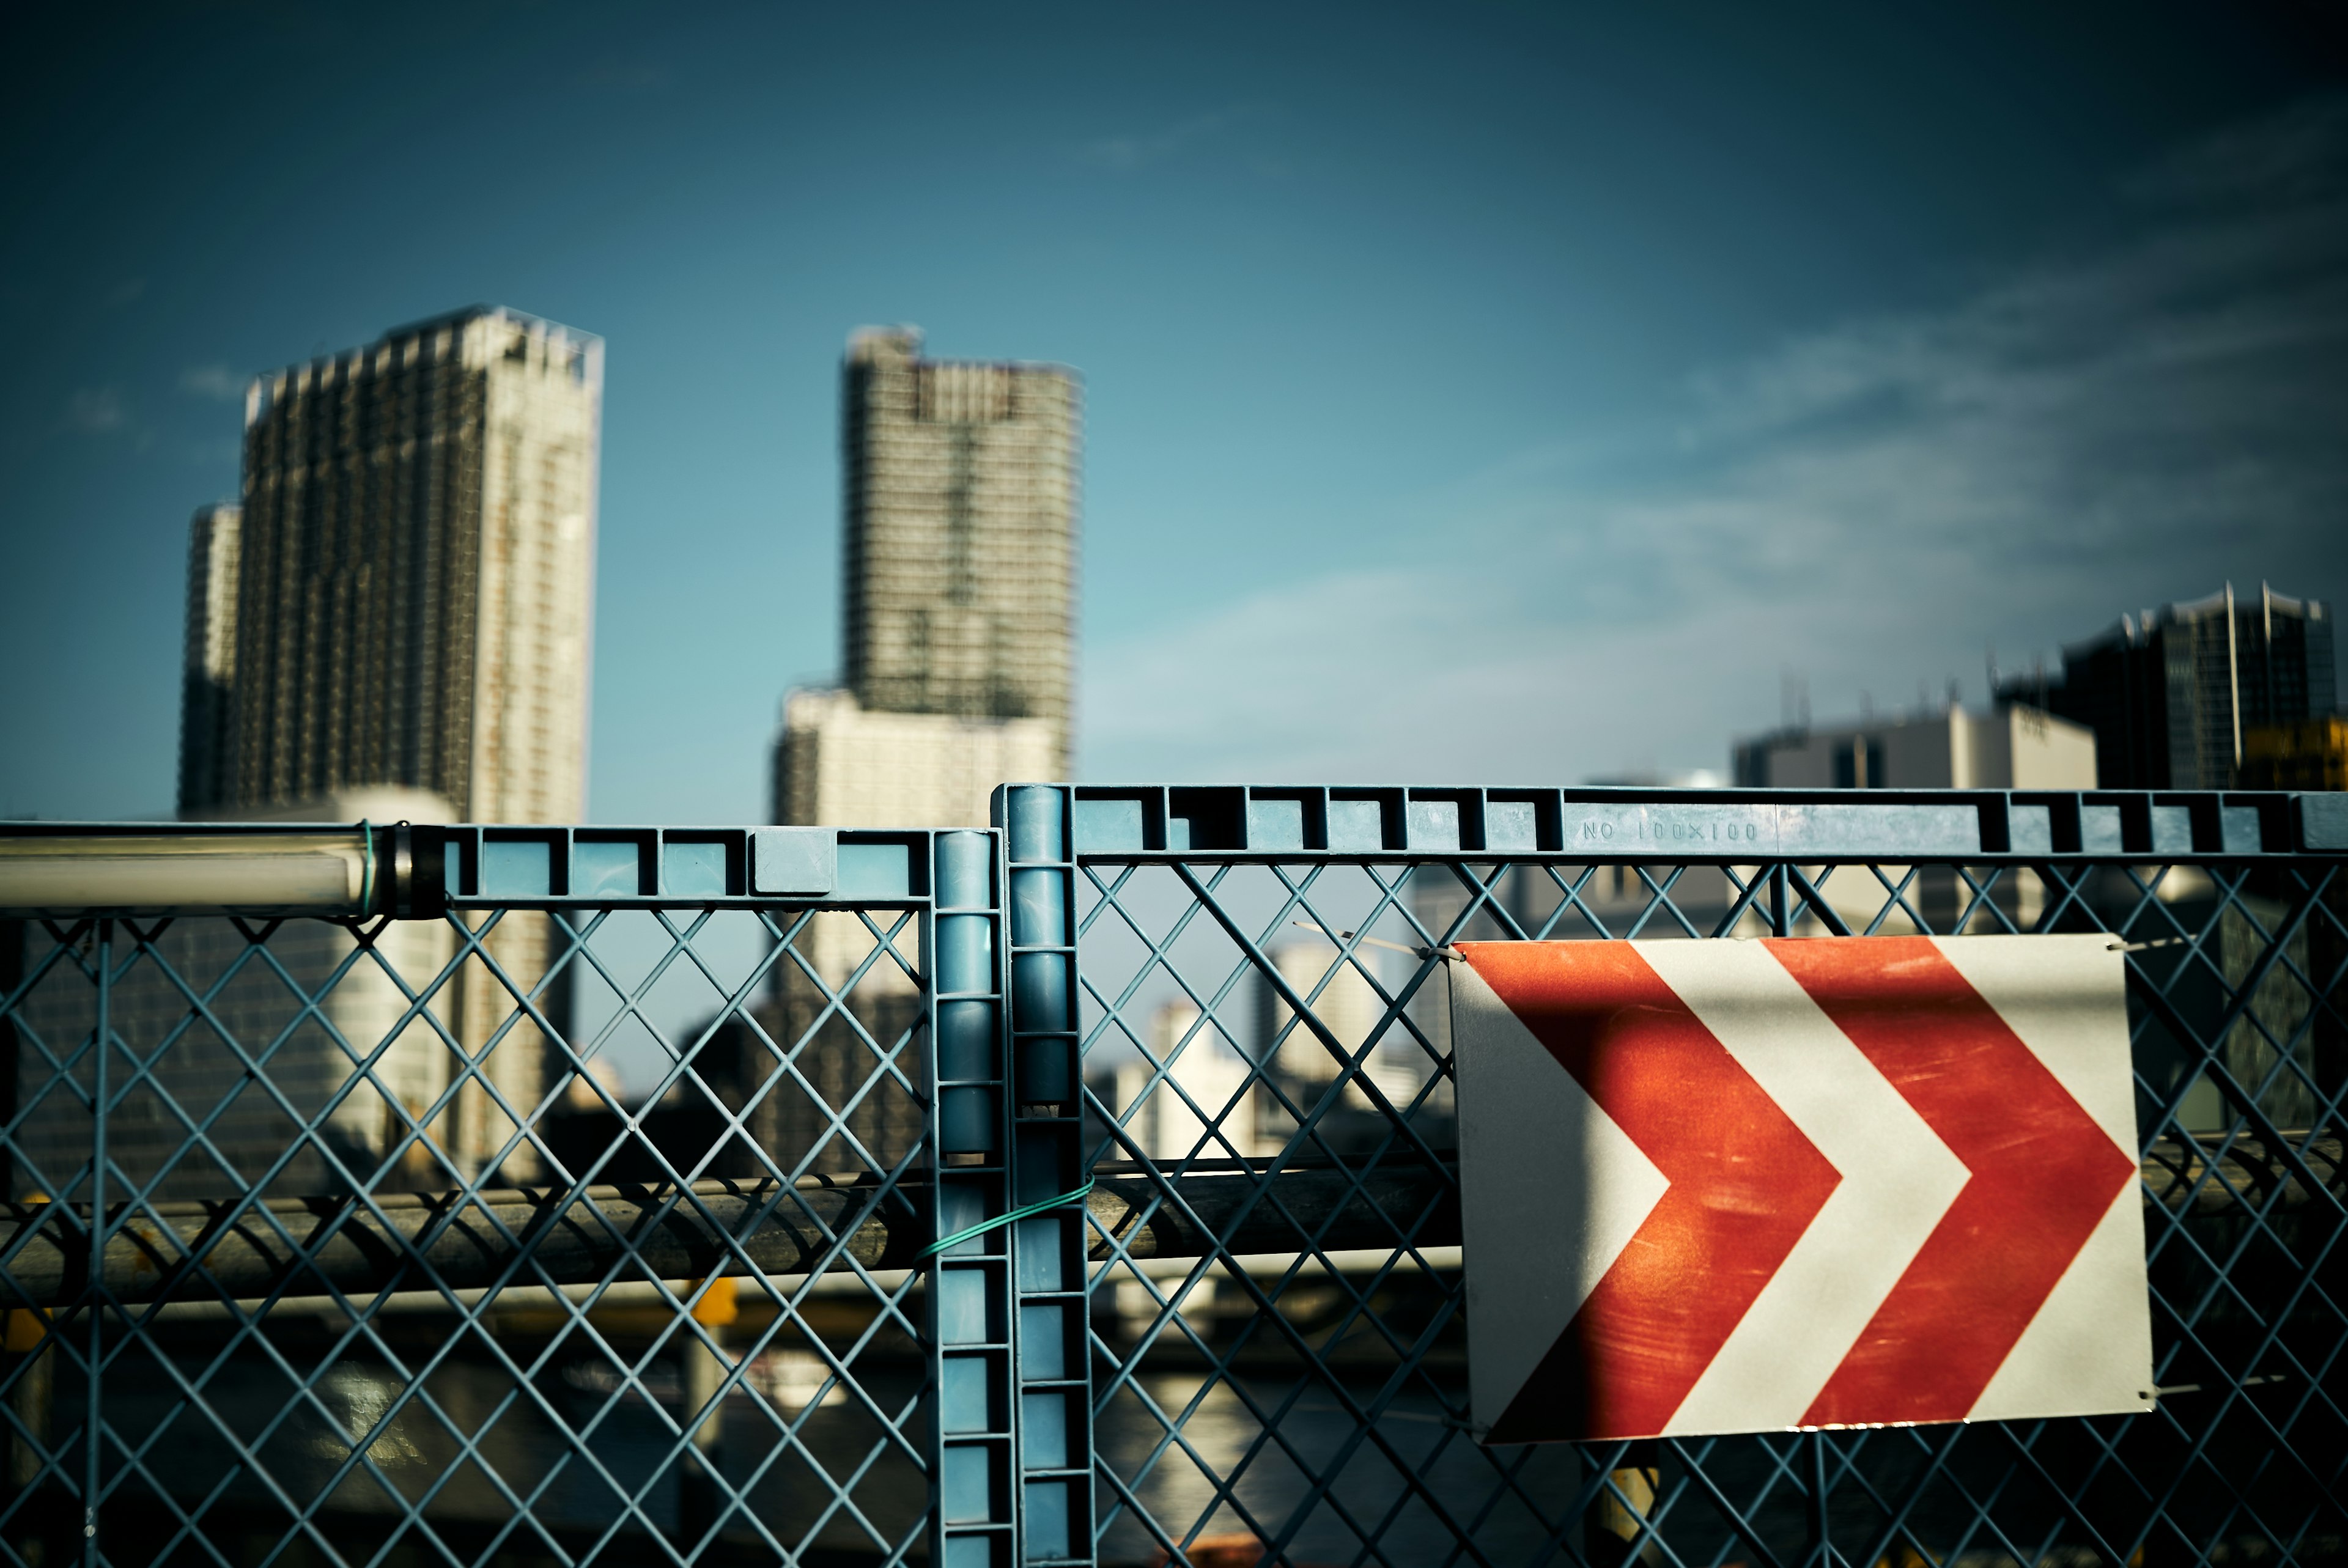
point(72, 869)
point(415, 870)
point(1378, 822)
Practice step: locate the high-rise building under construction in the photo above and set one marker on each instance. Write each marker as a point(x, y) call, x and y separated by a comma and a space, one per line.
point(960, 492)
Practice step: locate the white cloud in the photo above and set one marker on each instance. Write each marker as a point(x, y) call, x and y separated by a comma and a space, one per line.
point(216, 382)
point(1869, 504)
point(97, 410)
point(1127, 153)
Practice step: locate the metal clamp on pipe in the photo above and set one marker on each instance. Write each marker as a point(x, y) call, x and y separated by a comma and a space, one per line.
point(416, 858)
point(68, 870)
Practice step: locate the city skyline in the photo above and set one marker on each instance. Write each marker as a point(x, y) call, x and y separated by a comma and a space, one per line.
point(1487, 398)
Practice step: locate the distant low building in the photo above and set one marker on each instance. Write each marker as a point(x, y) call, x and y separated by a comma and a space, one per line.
point(2011, 746)
point(2172, 694)
point(1202, 1069)
point(840, 764)
point(837, 764)
point(1658, 778)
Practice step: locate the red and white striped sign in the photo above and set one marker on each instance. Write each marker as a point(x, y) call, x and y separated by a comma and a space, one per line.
point(1728, 1186)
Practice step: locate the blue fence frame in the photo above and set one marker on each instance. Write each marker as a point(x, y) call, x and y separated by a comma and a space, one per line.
point(1184, 1046)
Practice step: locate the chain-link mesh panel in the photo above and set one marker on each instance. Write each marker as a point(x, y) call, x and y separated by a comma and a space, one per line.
point(531, 1237)
point(1283, 1030)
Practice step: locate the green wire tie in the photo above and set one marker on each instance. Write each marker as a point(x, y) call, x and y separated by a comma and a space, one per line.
point(366, 877)
point(983, 1227)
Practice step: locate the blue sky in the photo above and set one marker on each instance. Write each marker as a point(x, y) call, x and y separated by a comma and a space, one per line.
point(1477, 393)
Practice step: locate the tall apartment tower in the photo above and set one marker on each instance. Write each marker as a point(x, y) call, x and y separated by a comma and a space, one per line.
point(405, 598)
point(396, 622)
point(961, 502)
point(957, 658)
point(2171, 692)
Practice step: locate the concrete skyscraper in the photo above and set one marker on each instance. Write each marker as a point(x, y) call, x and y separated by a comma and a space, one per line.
point(960, 490)
point(959, 484)
point(412, 575)
point(395, 622)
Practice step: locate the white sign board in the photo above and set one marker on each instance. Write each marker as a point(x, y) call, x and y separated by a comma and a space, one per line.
point(1733, 1186)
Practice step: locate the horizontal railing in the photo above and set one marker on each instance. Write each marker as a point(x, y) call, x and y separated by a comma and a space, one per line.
point(554, 1236)
point(1335, 823)
point(421, 871)
point(64, 870)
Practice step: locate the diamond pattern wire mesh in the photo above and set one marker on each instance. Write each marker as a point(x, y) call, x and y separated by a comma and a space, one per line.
point(434, 1100)
point(1309, 1407)
point(574, 1340)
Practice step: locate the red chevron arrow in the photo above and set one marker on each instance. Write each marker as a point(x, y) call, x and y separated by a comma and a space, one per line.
point(2044, 1175)
point(1745, 1184)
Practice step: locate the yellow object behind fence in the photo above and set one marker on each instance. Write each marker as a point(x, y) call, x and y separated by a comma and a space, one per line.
point(2305, 753)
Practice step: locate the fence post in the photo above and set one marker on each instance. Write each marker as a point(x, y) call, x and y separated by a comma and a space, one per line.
point(1047, 1159)
point(974, 1495)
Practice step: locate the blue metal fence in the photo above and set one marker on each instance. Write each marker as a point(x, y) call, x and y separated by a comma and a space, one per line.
point(340, 1239)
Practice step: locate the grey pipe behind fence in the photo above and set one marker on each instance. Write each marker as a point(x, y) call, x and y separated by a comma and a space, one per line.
point(408, 1241)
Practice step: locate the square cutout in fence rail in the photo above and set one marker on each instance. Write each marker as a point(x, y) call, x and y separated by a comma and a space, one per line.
point(1043, 1430)
point(2030, 829)
point(2172, 830)
point(1357, 824)
point(989, 1550)
point(2238, 830)
point(966, 1402)
point(1109, 826)
point(1048, 1521)
point(1042, 1253)
point(1511, 825)
point(1043, 1343)
point(965, 1201)
point(966, 1313)
point(966, 1489)
point(1435, 824)
point(1205, 818)
point(698, 869)
point(868, 870)
point(608, 868)
point(517, 868)
point(1275, 822)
